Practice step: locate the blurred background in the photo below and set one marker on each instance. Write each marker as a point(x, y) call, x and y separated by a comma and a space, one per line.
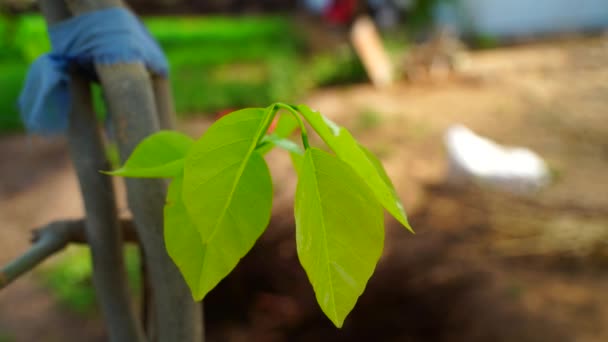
point(510, 244)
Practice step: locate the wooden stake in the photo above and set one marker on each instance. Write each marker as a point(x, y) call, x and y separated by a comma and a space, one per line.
point(131, 98)
point(102, 227)
point(368, 45)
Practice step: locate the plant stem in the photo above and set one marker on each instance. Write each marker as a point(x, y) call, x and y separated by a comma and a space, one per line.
point(271, 112)
point(296, 114)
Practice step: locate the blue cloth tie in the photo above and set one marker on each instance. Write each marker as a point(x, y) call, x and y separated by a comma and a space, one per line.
point(107, 36)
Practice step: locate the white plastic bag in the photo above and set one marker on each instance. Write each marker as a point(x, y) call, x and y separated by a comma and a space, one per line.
point(472, 158)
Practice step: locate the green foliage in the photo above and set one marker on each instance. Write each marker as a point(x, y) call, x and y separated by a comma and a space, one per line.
point(207, 56)
point(158, 156)
point(421, 16)
point(217, 63)
point(368, 119)
point(228, 193)
point(183, 241)
point(11, 74)
point(339, 231)
point(219, 202)
point(4, 337)
point(342, 66)
point(284, 128)
point(30, 37)
point(217, 40)
point(70, 278)
point(363, 162)
point(485, 41)
point(228, 60)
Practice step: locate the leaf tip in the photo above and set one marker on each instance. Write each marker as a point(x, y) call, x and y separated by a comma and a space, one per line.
point(406, 224)
point(402, 217)
point(410, 229)
point(338, 322)
point(198, 296)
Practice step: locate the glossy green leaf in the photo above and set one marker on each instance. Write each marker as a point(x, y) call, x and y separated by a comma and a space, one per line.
point(227, 192)
point(203, 265)
point(296, 161)
point(365, 164)
point(286, 125)
point(339, 231)
point(182, 240)
point(286, 144)
point(382, 172)
point(161, 155)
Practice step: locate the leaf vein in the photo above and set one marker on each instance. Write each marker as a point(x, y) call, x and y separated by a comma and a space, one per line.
point(325, 243)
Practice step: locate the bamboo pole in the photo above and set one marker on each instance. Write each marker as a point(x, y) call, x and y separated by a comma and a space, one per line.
point(102, 227)
point(130, 97)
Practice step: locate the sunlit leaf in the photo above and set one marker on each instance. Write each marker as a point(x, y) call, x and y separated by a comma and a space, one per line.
point(285, 127)
point(227, 192)
point(182, 239)
point(339, 231)
point(285, 144)
point(365, 164)
point(382, 172)
point(161, 155)
point(296, 161)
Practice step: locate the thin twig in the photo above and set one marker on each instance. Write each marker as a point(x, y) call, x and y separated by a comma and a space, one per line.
point(49, 240)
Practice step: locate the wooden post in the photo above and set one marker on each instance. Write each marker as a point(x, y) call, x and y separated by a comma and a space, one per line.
point(130, 97)
point(102, 225)
point(369, 48)
point(103, 233)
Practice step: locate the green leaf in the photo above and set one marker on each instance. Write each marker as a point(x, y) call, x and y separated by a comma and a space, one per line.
point(203, 265)
point(161, 155)
point(339, 231)
point(285, 144)
point(364, 163)
point(296, 161)
point(182, 240)
point(286, 125)
point(227, 192)
point(389, 184)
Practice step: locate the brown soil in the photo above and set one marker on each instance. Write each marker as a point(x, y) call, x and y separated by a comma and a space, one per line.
point(483, 265)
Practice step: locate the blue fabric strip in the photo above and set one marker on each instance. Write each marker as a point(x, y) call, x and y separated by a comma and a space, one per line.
point(108, 36)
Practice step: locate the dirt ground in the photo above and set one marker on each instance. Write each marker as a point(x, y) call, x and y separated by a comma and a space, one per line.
point(483, 265)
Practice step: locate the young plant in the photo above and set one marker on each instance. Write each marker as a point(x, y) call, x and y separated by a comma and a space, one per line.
point(220, 198)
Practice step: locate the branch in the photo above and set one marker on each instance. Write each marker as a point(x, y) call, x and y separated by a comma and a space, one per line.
point(77, 231)
point(50, 239)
